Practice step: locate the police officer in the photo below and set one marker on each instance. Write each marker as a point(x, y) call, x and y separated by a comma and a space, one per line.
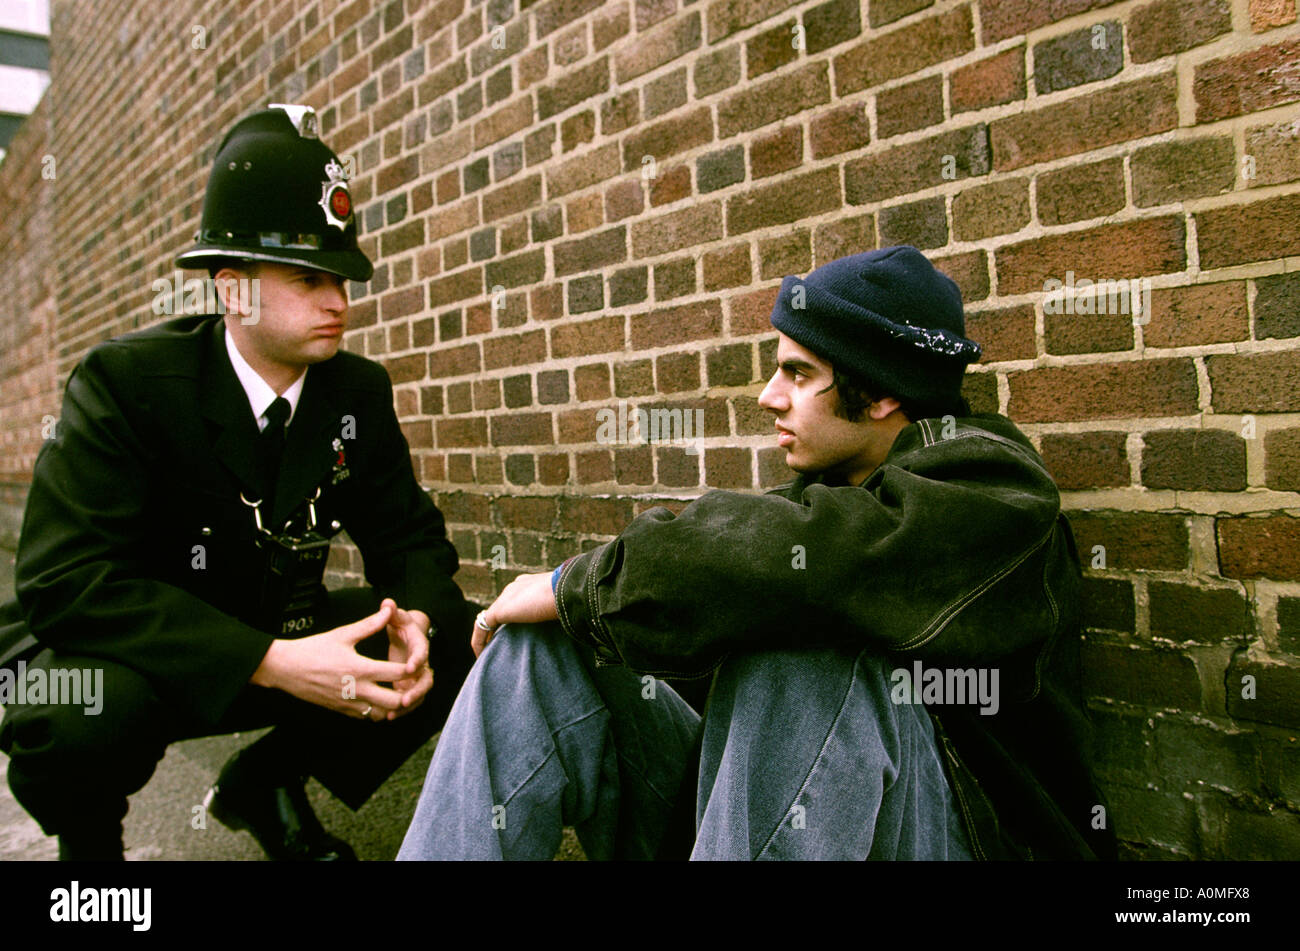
point(178, 525)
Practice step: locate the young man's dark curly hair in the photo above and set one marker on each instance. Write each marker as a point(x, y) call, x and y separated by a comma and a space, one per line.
point(856, 393)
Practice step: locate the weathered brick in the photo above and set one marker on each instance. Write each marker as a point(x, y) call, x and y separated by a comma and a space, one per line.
point(1172, 26)
point(586, 294)
point(724, 17)
point(1081, 56)
point(904, 169)
point(777, 152)
point(990, 82)
point(784, 254)
point(980, 390)
point(749, 313)
point(577, 130)
point(591, 253)
point(1273, 154)
point(720, 169)
point(999, 207)
point(1006, 333)
point(513, 198)
point(456, 286)
point(1282, 461)
point(1208, 460)
point(634, 378)
point(618, 112)
point(1107, 604)
point(1181, 612)
point(514, 350)
point(1247, 82)
point(675, 230)
point(790, 199)
point(671, 185)
point(770, 49)
point(830, 24)
point(1088, 333)
point(577, 86)
point(1259, 231)
point(1275, 697)
point(922, 224)
point(1198, 314)
point(909, 107)
point(716, 71)
point(602, 335)
point(658, 46)
point(906, 50)
point(1174, 171)
point(667, 137)
point(518, 270)
point(549, 17)
point(521, 429)
point(728, 267)
point(842, 237)
point(677, 372)
point(582, 171)
point(1255, 383)
point(970, 270)
point(1138, 675)
point(1277, 306)
point(590, 516)
point(627, 286)
point(665, 94)
point(1132, 389)
point(1081, 191)
point(1254, 547)
point(1268, 14)
point(672, 325)
point(674, 278)
point(760, 104)
point(461, 432)
point(1000, 19)
point(1116, 114)
point(1109, 252)
point(609, 24)
point(676, 467)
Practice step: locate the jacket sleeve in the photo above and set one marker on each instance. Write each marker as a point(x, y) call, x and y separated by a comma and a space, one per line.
point(899, 562)
point(403, 538)
point(82, 573)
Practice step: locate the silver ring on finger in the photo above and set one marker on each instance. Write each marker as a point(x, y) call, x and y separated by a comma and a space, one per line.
point(366, 712)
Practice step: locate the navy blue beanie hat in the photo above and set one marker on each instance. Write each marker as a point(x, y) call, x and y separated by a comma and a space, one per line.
point(885, 315)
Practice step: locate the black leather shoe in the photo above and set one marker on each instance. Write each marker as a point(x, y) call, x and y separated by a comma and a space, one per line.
point(279, 818)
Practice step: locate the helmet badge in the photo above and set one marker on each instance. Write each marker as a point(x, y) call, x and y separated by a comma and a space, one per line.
point(335, 200)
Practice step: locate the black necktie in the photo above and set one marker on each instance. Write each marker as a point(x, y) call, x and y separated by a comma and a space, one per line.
point(271, 442)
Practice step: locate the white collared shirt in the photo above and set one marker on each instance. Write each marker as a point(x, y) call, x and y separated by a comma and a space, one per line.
point(260, 394)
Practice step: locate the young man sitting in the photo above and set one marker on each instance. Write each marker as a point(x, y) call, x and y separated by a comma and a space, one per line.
point(894, 635)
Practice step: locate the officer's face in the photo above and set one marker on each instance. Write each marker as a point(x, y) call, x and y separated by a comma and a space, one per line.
point(802, 397)
point(300, 319)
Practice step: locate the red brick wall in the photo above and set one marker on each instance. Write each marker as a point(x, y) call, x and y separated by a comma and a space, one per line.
point(578, 203)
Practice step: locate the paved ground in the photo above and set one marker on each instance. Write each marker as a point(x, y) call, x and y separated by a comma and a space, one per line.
point(160, 823)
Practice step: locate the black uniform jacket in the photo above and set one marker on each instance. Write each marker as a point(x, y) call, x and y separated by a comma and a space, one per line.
point(137, 547)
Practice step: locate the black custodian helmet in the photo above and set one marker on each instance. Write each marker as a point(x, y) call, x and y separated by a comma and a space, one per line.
point(277, 193)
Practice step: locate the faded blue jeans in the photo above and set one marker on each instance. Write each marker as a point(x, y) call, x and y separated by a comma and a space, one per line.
point(804, 756)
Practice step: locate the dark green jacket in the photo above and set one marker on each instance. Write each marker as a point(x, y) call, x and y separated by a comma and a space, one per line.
point(952, 552)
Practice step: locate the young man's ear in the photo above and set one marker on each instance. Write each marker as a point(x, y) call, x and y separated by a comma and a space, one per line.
point(883, 407)
point(226, 282)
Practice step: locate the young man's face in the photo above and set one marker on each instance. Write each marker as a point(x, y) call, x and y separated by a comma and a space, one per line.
point(814, 438)
point(300, 319)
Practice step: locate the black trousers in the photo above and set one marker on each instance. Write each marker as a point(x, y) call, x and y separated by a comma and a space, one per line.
point(73, 772)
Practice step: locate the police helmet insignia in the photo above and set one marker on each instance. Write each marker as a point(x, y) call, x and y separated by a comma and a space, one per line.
point(335, 199)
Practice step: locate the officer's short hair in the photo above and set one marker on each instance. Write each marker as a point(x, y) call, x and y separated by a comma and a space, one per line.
point(246, 265)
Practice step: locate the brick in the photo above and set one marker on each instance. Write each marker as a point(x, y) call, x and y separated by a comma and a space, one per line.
point(513, 198)
point(586, 294)
point(1282, 460)
point(577, 86)
point(728, 267)
point(720, 169)
point(602, 335)
point(727, 468)
point(1277, 306)
point(402, 238)
point(672, 325)
point(584, 213)
point(665, 94)
point(1081, 191)
point(903, 51)
point(777, 152)
point(514, 350)
point(1081, 56)
point(635, 378)
point(627, 286)
point(1247, 82)
point(716, 71)
point(1132, 389)
point(909, 107)
point(591, 382)
point(593, 467)
point(1107, 604)
point(670, 186)
point(1274, 151)
point(590, 253)
point(990, 82)
point(1199, 314)
point(549, 17)
point(527, 267)
point(800, 196)
point(539, 144)
point(676, 467)
point(652, 49)
point(1259, 231)
point(1088, 333)
point(1253, 547)
point(999, 207)
point(1109, 252)
point(763, 103)
point(904, 169)
point(1206, 460)
point(521, 429)
point(784, 254)
point(750, 313)
point(674, 278)
point(830, 24)
point(521, 469)
point(1288, 626)
point(619, 112)
point(770, 49)
point(590, 516)
point(577, 130)
point(677, 372)
point(1255, 383)
point(675, 230)
point(1006, 333)
point(1000, 19)
point(634, 466)
point(981, 391)
point(518, 390)
point(553, 468)
point(1116, 114)
point(608, 25)
point(731, 365)
point(922, 224)
point(650, 12)
point(582, 171)
point(1174, 171)
point(724, 17)
point(454, 287)
point(1276, 693)
point(667, 137)
point(552, 387)
point(503, 123)
point(1181, 612)
point(842, 237)
point(461, 433)
point(1267, 14)
point(1172, 26)
point(1137, 675)
point(571, 46)
point(1196, 753)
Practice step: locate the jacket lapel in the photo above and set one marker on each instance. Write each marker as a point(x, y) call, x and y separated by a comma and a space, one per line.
point(308, 453)
point(224, 405)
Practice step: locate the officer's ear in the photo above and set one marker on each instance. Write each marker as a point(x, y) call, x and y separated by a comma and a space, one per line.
point(231, 282)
